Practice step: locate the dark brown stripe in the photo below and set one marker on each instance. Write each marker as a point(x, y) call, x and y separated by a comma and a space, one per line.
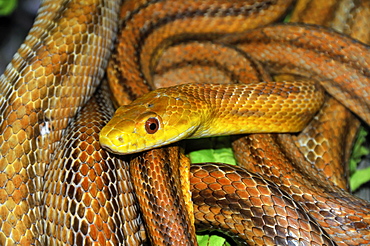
point(147, 30)
point(306, 45)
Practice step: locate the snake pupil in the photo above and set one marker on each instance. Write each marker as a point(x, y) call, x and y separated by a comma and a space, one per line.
point(152, 125)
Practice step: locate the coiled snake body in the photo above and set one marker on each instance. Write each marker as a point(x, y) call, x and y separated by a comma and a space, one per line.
point(67, 190)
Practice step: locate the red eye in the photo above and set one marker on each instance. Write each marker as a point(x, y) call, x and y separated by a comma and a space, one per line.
point(152, 125)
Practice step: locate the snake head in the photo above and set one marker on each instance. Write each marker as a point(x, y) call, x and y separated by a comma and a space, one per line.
point(152, 121)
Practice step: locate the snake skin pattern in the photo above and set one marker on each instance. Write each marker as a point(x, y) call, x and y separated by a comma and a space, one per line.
point(47, 82)
point(59, 187)
point(205, 110)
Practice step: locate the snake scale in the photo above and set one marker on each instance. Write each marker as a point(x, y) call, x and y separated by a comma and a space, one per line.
point(59, 187)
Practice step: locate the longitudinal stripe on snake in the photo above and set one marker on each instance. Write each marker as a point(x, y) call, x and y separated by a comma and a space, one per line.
point(51, 76)
point(346, 17)
point(174, 22)
point(351, 76)
point(146, 26)
point(299, 40)
point(29, 230)
point(88, 195)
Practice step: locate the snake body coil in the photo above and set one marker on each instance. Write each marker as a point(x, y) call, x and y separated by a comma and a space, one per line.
point(69, 191)
point(51, 76)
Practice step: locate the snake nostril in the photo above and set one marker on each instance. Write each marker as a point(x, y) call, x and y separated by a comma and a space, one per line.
point(120, 139)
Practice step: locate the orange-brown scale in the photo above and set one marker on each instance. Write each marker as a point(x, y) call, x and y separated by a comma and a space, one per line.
point(328, 139)
point(245, 204)
point(358, 21)
point(147, 24)
point(235, 67)
point(149, 27)
point(349, 17)
point(47, 81)
point(45, 125)
point(205, 62)
point(89, 198)
point(319, 12)
point(160, 201)
point(339, 63)
point(329, 205)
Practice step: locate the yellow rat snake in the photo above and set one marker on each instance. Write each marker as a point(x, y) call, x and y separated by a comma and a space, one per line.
point(59, 187)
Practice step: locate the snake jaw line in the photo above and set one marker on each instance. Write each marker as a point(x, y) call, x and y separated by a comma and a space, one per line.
point(129, 131)
point(131, 146)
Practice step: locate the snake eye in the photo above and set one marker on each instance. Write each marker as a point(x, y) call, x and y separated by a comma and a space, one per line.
point(152, 125)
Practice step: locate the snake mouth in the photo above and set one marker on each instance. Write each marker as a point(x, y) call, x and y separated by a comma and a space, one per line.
point(112, 150)
point(118, 145)
point(107, 148)
point(107, 144)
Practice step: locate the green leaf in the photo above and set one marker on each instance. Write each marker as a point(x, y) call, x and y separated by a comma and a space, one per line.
point(359, 177)
point(7, 7)
point(287, 17)
point(217, 149)
point(211, 240)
